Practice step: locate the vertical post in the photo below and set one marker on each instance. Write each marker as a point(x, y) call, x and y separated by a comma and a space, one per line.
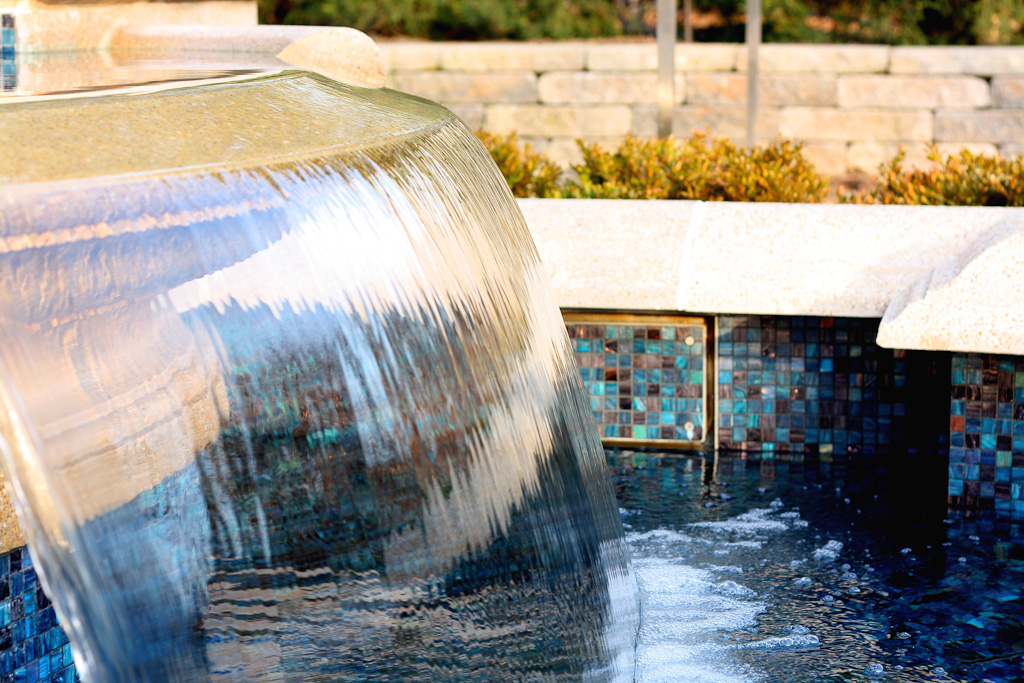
point(688, 21)
point(753, 47)
point(666, 34)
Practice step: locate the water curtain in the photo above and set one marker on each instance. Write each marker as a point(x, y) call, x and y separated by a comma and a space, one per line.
point(311, 418)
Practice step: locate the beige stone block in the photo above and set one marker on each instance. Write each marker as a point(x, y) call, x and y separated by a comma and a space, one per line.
point(501, 56)
point(558, 120)
point(729, 122)
point(825, 124)
point(82, 26)
point(827, 59)
point(976, 60)
point(706, 56)
point(970, 301)
point(868, 156)
point(724, 122)
point(902, 92)
point(1008, 91)
point(608, 87)
point(622, 57)
point(989, 125)
point(829, 158)
point(823, 259)
point(566, 152)
point(1011, 150)
point(472, 114)
point(410, 55)
point(644, 57)
point(450, 86)
point(731, 89)
point(593, 249)
point(721, 121)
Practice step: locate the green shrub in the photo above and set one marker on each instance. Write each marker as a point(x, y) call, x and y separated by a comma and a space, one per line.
point(454, 20)
point(963, 179)
point(700, 167)
point(528, 174)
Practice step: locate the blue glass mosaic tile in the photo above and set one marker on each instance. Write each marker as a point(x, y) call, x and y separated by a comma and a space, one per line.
point(645, 379)
point(986, 433)
point(8, 67)
point(822, 387)
point(33, 646)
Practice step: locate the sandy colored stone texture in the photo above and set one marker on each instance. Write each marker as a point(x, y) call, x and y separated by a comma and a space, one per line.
point(989, 125)
point(909, 92)
point(807, 259)
point(45, 26)
point(644, 57)
point(834, 59)
point(604, 87)
point(945, 278)
point(343, 54)
point(977, 60)
point(730, 122)
point(610, 253)
point(969, 301)
point(559, 120)
point(11, 535)
point(823, 124)
point(500, 56)
point(731, 89)
point(462, 86)
point(1008, 91)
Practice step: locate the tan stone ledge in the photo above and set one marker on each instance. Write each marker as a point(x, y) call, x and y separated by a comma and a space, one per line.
point(944, 278)
point(59, 26)
point(343, 54)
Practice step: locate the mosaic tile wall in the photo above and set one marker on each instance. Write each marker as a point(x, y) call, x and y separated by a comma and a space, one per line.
point(645, 379)
point(986, 433)
point(821, 386)
point(33, 647)
point(8, 69)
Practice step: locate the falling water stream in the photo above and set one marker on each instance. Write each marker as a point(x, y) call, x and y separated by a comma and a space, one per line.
point(287, 397)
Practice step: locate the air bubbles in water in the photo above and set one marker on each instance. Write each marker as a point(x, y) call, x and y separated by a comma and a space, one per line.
point(829, 552)
point(802, 582)
point(874, 670)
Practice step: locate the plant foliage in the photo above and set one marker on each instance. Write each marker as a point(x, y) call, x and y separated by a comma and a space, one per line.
point(963, 179)
point(528, 174)
point(454, 19)
point(700, 167)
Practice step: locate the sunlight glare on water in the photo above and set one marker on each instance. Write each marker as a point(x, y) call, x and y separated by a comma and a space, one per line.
point(309, 419)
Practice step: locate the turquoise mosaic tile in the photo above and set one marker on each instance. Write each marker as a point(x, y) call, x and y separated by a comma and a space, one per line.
point(644, 381)
point(8, 67)
point(33, 646)
point(821, 386)
point(986, 433)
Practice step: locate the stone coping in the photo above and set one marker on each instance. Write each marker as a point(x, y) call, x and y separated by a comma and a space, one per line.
point(940, 278)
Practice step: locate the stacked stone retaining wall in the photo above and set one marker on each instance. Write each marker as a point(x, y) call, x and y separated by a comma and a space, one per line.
point(853, 105)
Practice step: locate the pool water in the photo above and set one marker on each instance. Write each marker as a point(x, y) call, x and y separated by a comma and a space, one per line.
point(792, 571)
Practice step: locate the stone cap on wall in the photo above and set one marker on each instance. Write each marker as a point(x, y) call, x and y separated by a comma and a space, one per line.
point(940, 278)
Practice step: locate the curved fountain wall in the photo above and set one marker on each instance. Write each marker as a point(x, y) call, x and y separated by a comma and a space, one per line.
point(287, 396)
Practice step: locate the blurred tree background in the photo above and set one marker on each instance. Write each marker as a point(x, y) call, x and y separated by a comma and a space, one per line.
point(896, 22)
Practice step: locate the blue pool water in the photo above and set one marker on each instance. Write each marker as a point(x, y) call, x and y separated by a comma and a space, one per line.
point(792, 572)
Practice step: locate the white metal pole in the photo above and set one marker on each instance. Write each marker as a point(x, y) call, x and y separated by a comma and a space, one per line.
point(753, 47)
point(666, 35)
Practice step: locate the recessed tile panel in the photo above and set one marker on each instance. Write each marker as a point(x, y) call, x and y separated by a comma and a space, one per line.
point(645, 376)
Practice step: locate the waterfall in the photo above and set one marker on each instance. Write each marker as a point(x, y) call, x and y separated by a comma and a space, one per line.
point(306, 414)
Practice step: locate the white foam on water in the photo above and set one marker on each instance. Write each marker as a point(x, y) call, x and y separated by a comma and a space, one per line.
point(686, 618)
